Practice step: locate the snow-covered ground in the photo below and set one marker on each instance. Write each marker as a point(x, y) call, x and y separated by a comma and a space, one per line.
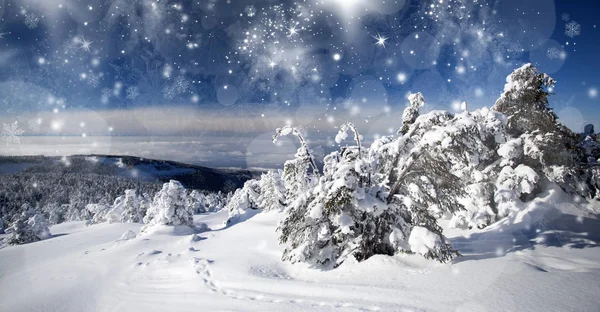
point(546, 258)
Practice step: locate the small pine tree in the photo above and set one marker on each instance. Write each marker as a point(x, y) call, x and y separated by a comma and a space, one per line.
point(169, 207)
point(196, 202)
point(132, 208)
point(27, 228)
point(298, 173)
point(411, 113)
point(272, 191)
point(243, 202)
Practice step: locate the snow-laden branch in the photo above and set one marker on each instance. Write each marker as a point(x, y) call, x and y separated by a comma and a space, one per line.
point(287, 130)
point(343, 134)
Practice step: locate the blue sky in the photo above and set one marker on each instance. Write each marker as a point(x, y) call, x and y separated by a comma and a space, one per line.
point(238, 69)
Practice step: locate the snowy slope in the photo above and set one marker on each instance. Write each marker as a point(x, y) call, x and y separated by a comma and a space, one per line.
point(545, 259)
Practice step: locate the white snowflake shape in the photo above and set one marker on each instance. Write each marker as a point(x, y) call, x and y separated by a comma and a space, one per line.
point(180, 85)
point(565, 17)
point(93, 80)
point(132, 93)
point(106, 93)
point(553, 53)
point(31, 20)
point(11, 132)
point(169, 93)
point(71, 46)
point(250, 10)
point(34, 124)
point(572, 29)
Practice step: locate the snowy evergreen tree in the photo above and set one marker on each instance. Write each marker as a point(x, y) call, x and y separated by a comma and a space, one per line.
point(98, 212)
point(27, 228)
point(115, 214)
point(272, 191)
point(342, 216)
point(525, 101)
point(133, 208)
point(591, 162)
point(411, 113)
point(55, 213)
point(196, 201)
point(169, 207)
point(298, 173)
point(550, 148)
point(243, 203)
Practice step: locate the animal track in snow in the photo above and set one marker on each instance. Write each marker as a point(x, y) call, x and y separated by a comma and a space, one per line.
point(202, 267)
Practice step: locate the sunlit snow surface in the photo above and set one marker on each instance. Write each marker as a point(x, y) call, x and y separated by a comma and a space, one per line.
point(548, 260)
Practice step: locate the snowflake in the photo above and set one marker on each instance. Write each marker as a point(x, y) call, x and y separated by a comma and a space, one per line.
point(11, 132)
point(250, 10)
point(31, 21)
point(93, 80)
point(132, 93)
point(572, 29)
point(34, 124)
point(565, 17)
point(71, 46)
point(179, 86)
point(106, 93)
point(169, 93)
point(553, 53)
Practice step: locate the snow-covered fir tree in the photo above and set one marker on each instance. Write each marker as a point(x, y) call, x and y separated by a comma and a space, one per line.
point(549, 147)
point(98, 212)
point(591, 161)
point(411, 113)
point(27, 228)
point(343, 216)
point(170, 207)
point(134, 207)
point(272, 191)
point(196, 202)
point(300, 173)
point(243, 203)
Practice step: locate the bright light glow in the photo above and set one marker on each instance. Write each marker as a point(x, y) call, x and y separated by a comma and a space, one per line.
point(401, 77)
point(380, 40)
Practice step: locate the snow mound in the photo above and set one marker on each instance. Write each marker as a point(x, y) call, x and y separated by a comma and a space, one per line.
point(127, 236)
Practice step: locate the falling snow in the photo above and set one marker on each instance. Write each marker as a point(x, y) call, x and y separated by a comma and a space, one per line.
point(250, 11)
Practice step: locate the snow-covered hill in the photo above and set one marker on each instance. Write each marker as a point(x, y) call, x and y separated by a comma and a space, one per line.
point(141, 169)
point(546, 258)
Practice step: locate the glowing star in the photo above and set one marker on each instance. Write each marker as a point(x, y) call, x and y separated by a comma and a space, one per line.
point(292, 31)
point(272, 64)
point(380, 40)
point(84, 44)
